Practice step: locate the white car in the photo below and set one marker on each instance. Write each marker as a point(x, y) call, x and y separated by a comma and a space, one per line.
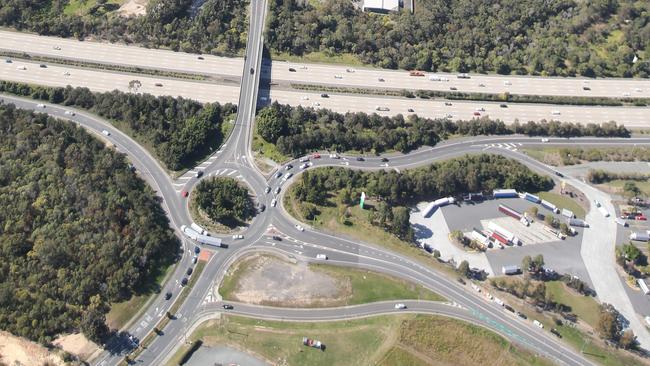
point(305, 98)
point(537, 323)
point(40, 105)
point(321, 256)
point(316, 104)
point(400, 306)
point(647, 320)
point(21, 68)
point(507, 83)
point(555, 113)
point(334, 156)
point(304, 166)
point(381, 80)
point(300, 228)
point(349, 70)
point(66, 73)
point(345, 162)
point(274, 202)
point(106, 133)
point(70, 113)
point(267, 189)
point(596, 203)
point(237, 236)
point(382, 109)
point(304, 160)
point(544, 139)
point(338, 77)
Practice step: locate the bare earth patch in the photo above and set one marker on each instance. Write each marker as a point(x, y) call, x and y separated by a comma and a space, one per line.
point(19, 351)
point(133, 8)
point(272, 281)
point(77, 344)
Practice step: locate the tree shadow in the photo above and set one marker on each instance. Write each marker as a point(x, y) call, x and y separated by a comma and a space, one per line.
point(421, 231)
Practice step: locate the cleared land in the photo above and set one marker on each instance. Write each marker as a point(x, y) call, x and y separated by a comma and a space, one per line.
point(269, 280)
point(20, 351)
point(428, 340)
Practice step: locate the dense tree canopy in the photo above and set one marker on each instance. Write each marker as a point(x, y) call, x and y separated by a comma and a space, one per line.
point(79, 228)
point(218, 26)
point(470, 173)
point(296, 130)
point(553, 37)
point(224, 200)
point(179, 130)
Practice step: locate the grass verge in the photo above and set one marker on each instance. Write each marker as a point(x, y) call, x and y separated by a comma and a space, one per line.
point(369, 341)
point(364, 286)
point(264, 149)
point(361, 229)
point(617, 185)
point(563, 202)
point(320, 57)
point(585, 307)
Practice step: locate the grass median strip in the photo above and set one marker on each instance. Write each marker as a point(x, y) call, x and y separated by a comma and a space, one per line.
point(104, 66)
point(489, 97)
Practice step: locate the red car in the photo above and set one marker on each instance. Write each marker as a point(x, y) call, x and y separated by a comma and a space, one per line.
point(185, 193)
point(477, 113)
point(641, 218)
point(316, 156)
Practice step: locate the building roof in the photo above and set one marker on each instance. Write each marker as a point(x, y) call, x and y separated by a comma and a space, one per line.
point(388, 5)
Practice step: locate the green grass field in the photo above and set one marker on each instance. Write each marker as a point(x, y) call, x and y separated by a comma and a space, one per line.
point(385, 340)
point(585, 307)
point(360, 228)
point(563, 202)
point(366, 286)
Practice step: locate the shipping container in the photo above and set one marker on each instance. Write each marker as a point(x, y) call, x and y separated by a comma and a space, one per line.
point(530, 197)
point(510, 270)
point(577, 222)
point(640, 236)
point(568, 213)
point(643, 286)
point(510, 212)
point(505, 193)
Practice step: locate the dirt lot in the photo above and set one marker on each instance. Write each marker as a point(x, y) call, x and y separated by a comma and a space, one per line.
point(133, 8)
point(19, 351)
point(273, 281)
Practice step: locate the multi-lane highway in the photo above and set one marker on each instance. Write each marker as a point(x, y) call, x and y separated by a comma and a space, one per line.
point(235, 155)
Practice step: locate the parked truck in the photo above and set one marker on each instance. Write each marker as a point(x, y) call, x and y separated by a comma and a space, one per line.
point(510, 270)
point(312, 343)
point(549, 206)
point(191, 233)
point(503, 233)
point(530, 197)
point(209, 240)
point(577, 222)
point(568, 213)
point(603, 211)
point(505, 193)
point(431, 207)
point(198, 229)
point(640, 236)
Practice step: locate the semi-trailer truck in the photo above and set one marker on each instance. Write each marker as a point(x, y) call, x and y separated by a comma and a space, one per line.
point(505, 193)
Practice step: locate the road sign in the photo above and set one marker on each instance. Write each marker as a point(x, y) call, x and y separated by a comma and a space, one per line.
point(363, 199)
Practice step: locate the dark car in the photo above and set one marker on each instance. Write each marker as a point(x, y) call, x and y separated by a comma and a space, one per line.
point(291, 69)
point(262, 207)
point(384, 160)
point(275, 237)
point(586, 88)
point(228, 306)
point(503, 105)
point(252, 71)
point(411, 110)
point(360, 159)
point(447, 103)
point(556, 333)
point(460, 280)
point(559, 174)
point(324, 95)
point(453, 88)
point(200, 57)
point(522, 315)
point(168, 296)
point(158, 84)
point(197, 250)
point(189, 271)
point(288, 167)
point(42, 65)
point(199, 174)
point(184, 281)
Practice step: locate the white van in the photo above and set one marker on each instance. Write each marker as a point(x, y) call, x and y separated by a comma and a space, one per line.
point(321, 256)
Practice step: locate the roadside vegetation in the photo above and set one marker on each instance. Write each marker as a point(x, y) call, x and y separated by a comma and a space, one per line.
point(560, 37)
point(297, 130)
point(80, 231)
point(224, 200)
point(346, 286)
point(407, 339)
point(179, 131)
point(577, 155)
point(217, 27)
